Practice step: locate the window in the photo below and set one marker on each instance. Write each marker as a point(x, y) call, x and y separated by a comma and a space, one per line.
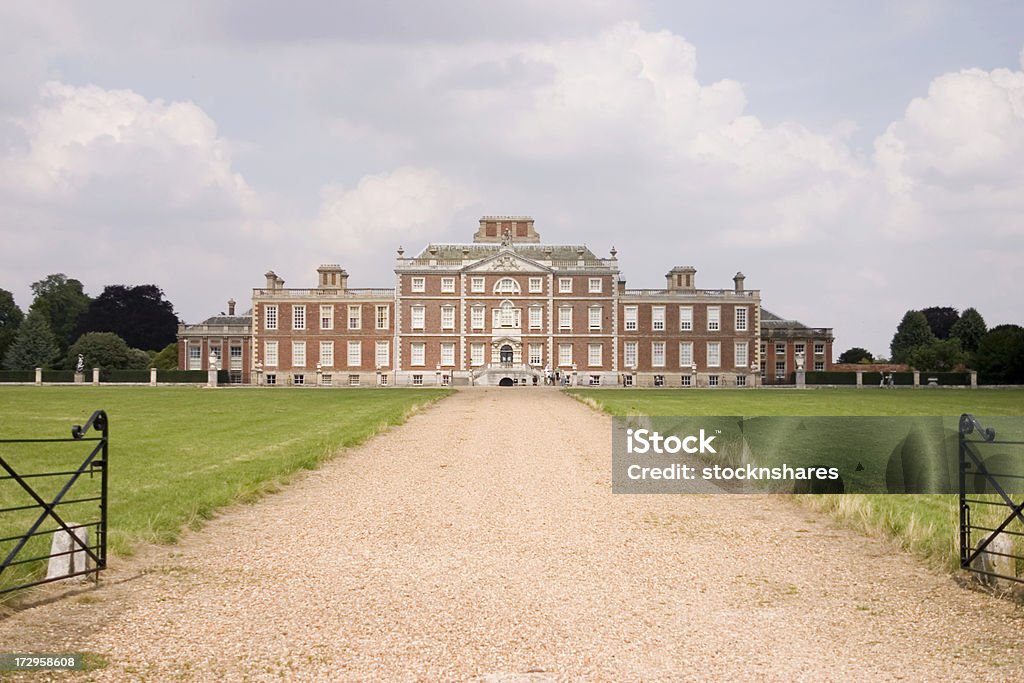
point(780, 347)
point(740, 353)
point(565, 354)
point(741, 380)
point(195, 357)
point(714, 354)
point(418, 315)
point(536, 354)
point(355, 317)
point(419, 284)
point(763, 371)
point(382, 354)
point(476, 284)
point(819, 349)
point(417, 380)
point(798, 347)
point(236, 357)
point(355, 354)
point(298, 354)
point(595, 380)
point(565, 318)
point(448, 285)
point(327, 354)
point(298, 380)
point(594, 353)
point(686, 318)
point(270, 316)
point(741, 318)
point(565, 285)
point(476, 354)
point(271, 379)
point(298, 317)
point(594, 285)
point(448, 353)
point(659, 380)
point(327, 317)
point(506, 285)
point(447, 317)
point(764, 348)
point(714, 318)
point(353, 380)
point(383, 380)
point(270, 354)
point(383, 317)
point(536, 316)
point(657, 318)
point(627, 380)
point(327, 379)
point(594, 317)
point(658, 354)
point(819, 365)
point(629, 354)
point(629, 316)
point(780, 368)
point(536, 285)
point(712, 380)
point(476, 316)
point(417, 353)
point(506, 316)
point(685, 354)
point(685, 381)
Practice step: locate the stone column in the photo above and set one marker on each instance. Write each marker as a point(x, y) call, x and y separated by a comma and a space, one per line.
point(39, 376)
point(974, 379)
point(152, 377)
point(96, 377)
point(860, 379)
point(917, 378)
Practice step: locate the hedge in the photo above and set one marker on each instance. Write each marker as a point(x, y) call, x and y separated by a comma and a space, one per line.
point(17, 375)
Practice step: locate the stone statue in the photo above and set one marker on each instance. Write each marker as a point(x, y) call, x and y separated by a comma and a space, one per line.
point(213, 362)
point(80, 365)
point(506, 238)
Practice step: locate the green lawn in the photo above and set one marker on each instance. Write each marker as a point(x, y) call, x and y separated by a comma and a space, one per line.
point(177, 454)
point(924, 524)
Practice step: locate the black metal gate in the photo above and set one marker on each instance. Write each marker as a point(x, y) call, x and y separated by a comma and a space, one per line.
point(991, 483)
point(51, 519)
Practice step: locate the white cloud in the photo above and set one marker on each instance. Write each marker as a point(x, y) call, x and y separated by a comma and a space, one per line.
point(405, 206)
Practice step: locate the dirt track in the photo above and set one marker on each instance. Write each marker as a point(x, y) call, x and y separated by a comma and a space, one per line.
point(481, 540)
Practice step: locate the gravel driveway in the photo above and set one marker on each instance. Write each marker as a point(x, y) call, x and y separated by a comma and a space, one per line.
point(481, 541)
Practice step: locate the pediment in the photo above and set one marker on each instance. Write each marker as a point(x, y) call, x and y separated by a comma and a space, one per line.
point(507, 261)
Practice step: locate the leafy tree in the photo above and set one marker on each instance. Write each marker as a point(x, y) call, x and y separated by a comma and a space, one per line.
point(856, 355)
point(1000, 355)
point(941, 355)
point(969, 329)
point(167, 359)
point(10, 319)
point(108, 351)
point(62, 301)
point(941, 319)
point(138, 314)
point(34, 346)
point(913, 331)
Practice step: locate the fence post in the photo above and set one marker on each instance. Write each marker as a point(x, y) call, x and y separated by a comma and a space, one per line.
point(152, 377)
point(95, 377)
point(860, 379)
point(39, 376)
point(974, 379)
point(917, 378)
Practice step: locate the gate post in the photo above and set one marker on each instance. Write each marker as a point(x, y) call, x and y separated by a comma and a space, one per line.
point(917, 378)
point(95, 377)
point(974, 379)
point(39, 376)
point(860, 379)
point(152, 377)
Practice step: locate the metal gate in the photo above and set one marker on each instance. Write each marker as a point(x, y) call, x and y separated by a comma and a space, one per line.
point(26, 486)
point(991, 483)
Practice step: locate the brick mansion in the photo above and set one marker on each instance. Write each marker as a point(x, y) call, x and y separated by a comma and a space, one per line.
point(504, 309)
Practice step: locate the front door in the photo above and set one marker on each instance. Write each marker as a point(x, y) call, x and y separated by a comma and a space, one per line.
point(505, 354)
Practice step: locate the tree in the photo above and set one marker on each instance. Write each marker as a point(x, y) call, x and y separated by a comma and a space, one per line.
point(107, 351)
point(167, 359)
point(34, 346)
point(856, 355)
point(140, 315)
point(62, 301)
point(941, 319)
point(1000, 355)
point(969, 329)
point(10, 319)
point(913, 331)
point(941, 355)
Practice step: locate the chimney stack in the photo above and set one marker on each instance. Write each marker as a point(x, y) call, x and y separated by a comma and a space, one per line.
point(738, 281)
point(231, 306)
point(681, 277)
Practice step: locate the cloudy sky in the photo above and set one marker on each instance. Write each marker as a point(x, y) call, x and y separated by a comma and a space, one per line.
point(853, 159)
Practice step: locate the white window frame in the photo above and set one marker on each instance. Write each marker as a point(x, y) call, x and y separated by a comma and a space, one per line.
point(536, 318)
point(565, 285)
point(714, 318)
point(418, 283)
point(298, 354)
point(383, 315)
point(447, 354)
point(270, 318)
point(382, 353)
point(270, 358)
point(686, 318)
point(629, 354)
point(740, 354)
point(448, 317)
point(658, 354)
point(714, 357)
point(595, 355)
point(417, 317)
point(507, 285)
point(298, 316)
point(327, 354)
point(819, 348)
point(477, 315)
point(354, 353)
point(594, 285)
point(447, 285)
point(565, 318)
point(476, 354)
point(564, 355)
point(417, 354)
point(780, 348)
point(686, 354)
point(536, 285)
point(326, 317)
point(594, 318)
point(740, 316)
point(630, 315)
point(476, 285)
point(355, 322)
point(657, 318)
point(819, 366)
point(536, 353)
